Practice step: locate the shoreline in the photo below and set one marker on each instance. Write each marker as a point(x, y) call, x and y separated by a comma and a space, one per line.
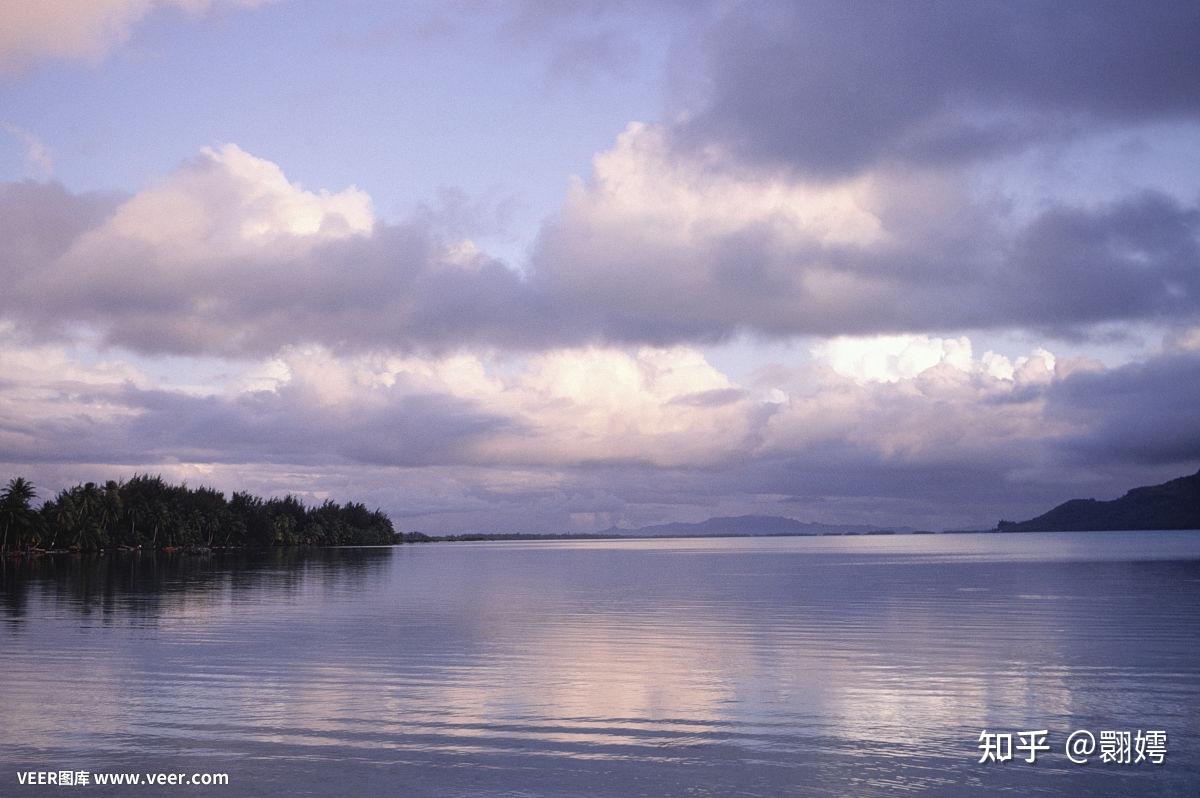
point(523, 537)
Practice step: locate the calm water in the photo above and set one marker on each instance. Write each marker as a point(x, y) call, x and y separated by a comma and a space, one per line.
point(735, 667)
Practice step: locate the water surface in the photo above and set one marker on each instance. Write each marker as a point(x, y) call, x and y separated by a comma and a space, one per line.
point(752, 667)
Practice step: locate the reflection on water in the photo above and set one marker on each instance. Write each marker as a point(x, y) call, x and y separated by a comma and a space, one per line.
point(797, 666)
point(116, 587)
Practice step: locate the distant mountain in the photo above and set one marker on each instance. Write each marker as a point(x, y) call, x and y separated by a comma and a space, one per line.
point(1171, 505)
point(743, 525)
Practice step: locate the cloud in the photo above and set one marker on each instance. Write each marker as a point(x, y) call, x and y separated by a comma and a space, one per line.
point(897, 357)
point(922, 401)
point(37, 154)
point(604, 405)
point(1141, 413)
point(214, 259)
point(227, 203)
point(227, 257)
point(831, 89)
point(663, 246)
point(924, 434)
point(61, 411)
point(38, 223)
point(558, 408)
point(893, 358)
point(35, 30)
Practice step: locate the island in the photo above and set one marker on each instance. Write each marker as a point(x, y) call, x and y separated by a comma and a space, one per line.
point(148, 512)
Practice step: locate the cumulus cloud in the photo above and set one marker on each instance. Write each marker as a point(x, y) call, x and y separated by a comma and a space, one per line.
point(666, 246)
point(226, 256)
point(892, 358)
point(559, 408)
point(33, 30)
point(665, 407)
point(924, 434)
point(57, 409)
point(917, 400)
point(897, 357)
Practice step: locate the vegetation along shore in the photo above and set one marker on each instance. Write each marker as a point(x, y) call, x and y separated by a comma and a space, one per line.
point(148, 512)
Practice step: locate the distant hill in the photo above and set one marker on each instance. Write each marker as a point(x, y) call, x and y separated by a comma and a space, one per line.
point(1171, 505)
point(743, 525)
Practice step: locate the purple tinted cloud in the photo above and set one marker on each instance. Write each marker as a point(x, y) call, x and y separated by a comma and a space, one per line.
point(592, 280)
point(831, 88)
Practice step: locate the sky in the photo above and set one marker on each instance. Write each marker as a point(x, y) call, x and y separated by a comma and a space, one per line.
point(554, 267)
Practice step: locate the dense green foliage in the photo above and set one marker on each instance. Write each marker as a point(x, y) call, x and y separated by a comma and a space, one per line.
point(146, 511)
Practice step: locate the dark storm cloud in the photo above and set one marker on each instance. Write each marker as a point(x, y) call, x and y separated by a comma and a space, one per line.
point(830, 88)
point(1141, 413)
point(1139, 258)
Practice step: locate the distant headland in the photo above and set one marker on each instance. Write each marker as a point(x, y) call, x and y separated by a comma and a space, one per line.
point(1171, 505)
point(739, 526)
point(749, 525)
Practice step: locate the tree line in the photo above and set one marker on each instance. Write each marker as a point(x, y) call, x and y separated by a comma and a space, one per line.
point(148, 512)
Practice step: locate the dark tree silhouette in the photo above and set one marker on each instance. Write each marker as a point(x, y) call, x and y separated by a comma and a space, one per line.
point(17, 515)
point(149, 512)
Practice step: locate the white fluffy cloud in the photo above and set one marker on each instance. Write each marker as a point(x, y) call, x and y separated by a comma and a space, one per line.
point(678, 245)
point(668, 407)
point(919, 400)
point(680, 198)
point(222, 255)
point(665, 406)
point(561, 408)
point(672, 408)
point(892, 358)
point(224, 204)
point(586, 436)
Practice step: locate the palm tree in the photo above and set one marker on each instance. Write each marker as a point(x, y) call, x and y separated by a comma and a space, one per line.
point(59, 515)
point(88, 515)
point(110, 509)
point(16, 508)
